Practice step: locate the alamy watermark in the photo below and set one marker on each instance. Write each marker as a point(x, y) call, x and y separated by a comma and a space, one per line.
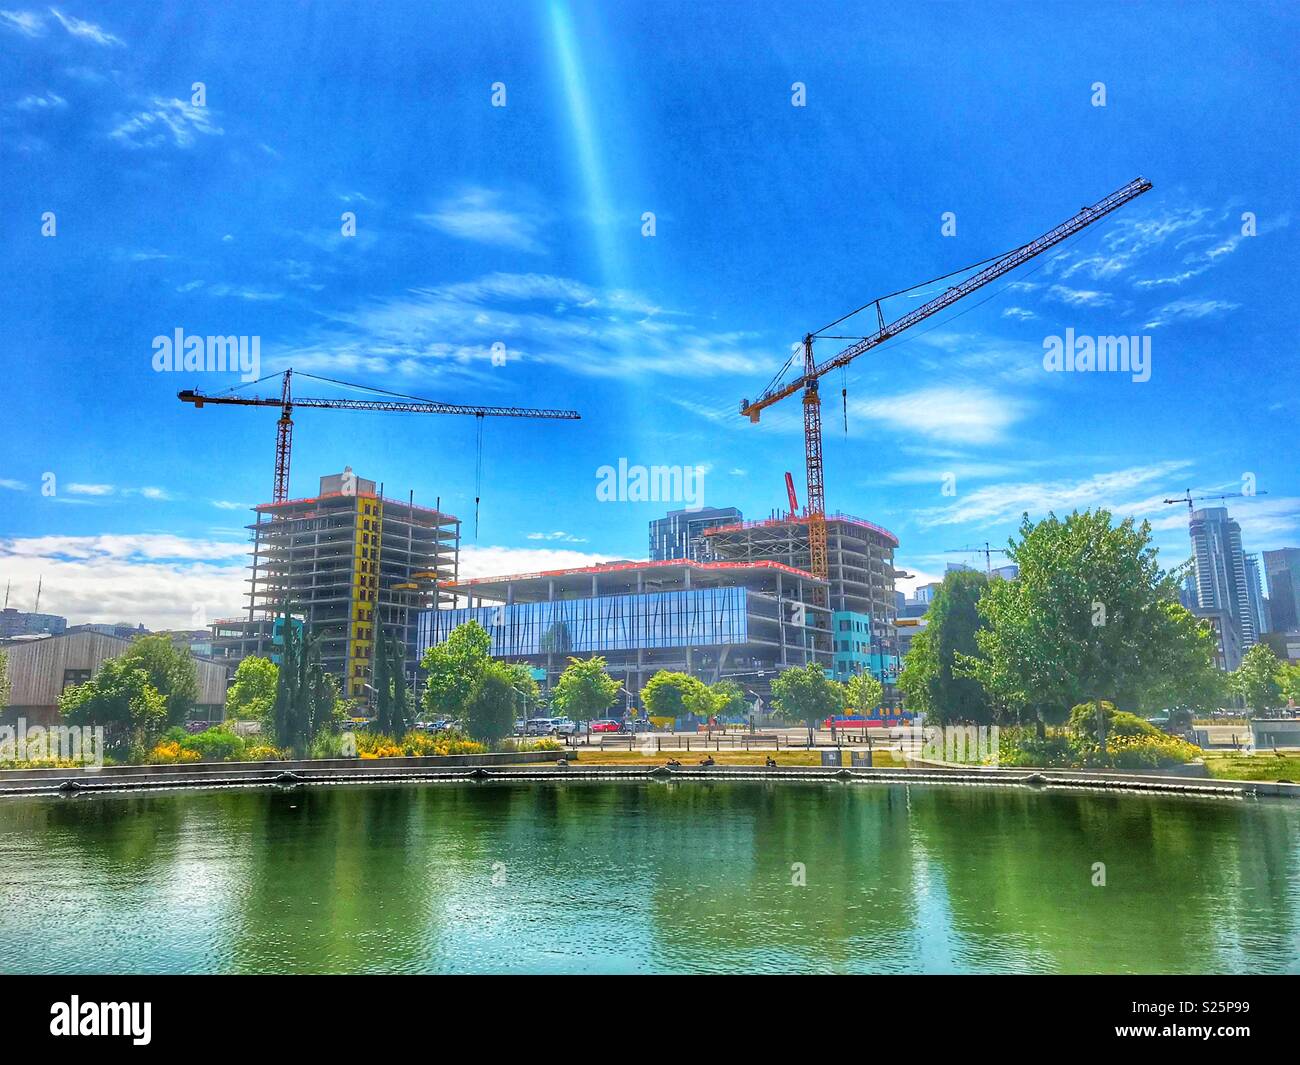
point(214, 354)
point(651, 484)
point(1087, 354)
point(83, 744)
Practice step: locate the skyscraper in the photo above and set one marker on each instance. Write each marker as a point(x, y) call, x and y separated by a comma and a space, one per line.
point(1221, 582)
point(1282, 568)
point(1255, 595)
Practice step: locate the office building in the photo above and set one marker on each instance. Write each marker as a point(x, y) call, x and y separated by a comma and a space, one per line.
point(860, 562)
point(680, 534)
point(744, 620)
point(1282, 571)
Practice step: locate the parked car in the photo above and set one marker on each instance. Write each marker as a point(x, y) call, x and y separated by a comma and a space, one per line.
point(539, 726)
point(607, 724)
point(563, 726)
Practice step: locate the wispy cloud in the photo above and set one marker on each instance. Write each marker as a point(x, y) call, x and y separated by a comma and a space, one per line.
point(87, 31)
point(1189, 309)
point(1076, 297)
point(561, 537)
point(477, 214)
point(49, 101)
point(28, 23)
point(80, 489)
point(12, 485)
point(1004, 503)
point(455, 330)
point(166, 121)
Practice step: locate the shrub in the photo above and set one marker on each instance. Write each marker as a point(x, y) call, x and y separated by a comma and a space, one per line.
point(1148, 748)
point(264, 753)
point(1119, 723)
point(414, 744)
point(169, 752)
point(216, 745)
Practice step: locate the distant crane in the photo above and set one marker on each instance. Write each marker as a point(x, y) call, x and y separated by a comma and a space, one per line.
point(1189, 499)
point(990, 270)
point(402, 404)
point(988, 551)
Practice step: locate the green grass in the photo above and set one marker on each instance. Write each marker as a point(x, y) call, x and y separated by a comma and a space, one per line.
point(1230, 765)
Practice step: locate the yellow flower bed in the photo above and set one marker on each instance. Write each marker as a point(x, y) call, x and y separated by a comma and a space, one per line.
point(169, 752)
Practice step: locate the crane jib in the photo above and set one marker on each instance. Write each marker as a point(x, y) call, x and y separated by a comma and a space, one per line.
point(1086, 217)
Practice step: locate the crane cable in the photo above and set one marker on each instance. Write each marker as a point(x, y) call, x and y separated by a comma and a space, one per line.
point(478, 471)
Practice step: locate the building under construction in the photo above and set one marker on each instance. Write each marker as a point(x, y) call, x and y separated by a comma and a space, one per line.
point(860, 564)
point(345, 562)
point(740, 620)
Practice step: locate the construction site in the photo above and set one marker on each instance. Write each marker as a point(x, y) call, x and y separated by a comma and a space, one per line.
point(745, 600)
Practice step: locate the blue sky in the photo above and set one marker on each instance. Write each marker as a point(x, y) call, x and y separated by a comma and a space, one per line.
point(522, 225)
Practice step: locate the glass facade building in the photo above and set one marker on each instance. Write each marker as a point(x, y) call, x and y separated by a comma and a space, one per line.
point(699, 618)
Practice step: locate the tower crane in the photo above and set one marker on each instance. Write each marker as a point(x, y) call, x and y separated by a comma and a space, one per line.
point(812, 370)
point(1189, 499)
point(988, 551)
point(401, 404)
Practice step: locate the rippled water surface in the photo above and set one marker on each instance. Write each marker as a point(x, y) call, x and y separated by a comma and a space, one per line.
point(682, 877)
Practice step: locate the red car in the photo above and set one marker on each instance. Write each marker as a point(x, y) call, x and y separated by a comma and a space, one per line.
point(607, 725)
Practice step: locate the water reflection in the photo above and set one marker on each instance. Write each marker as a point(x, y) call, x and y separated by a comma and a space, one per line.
point(664, 877)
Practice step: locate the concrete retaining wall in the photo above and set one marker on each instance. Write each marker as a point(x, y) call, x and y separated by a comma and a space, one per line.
point(538, 766)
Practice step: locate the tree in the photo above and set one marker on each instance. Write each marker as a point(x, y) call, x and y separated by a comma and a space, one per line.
point(585, 690)
point(252, 692)
point(305, 699)
point(170, 670)
point(1087, 619)
point(728, 699)
point(1256, 679)
point(525, 688)
point(806, 695)
point(121, 698)
point(1288, 677)
point(862, 693)
point(1184, 679)
point(452, 667)
point(929, 680)
point(667, 694)
point(393, 707)
point(490, 708)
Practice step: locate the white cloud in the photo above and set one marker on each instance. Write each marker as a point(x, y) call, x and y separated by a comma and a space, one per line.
point(452, 329)
point(12, 485)
point(226, 504)
point(1076, 297)
point(159, 580)
point(961, 415)
point(45, 102)
point(87, 31)
point(478, 561)
point(1189, 309)
point(28, 23)
point(1004, 503)
point(476, 214)
point(563, 537)
point(167, 121)
point(1019, 313)
point(90, 489)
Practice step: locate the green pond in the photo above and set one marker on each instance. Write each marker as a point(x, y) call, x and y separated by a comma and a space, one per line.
point(588, 877)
